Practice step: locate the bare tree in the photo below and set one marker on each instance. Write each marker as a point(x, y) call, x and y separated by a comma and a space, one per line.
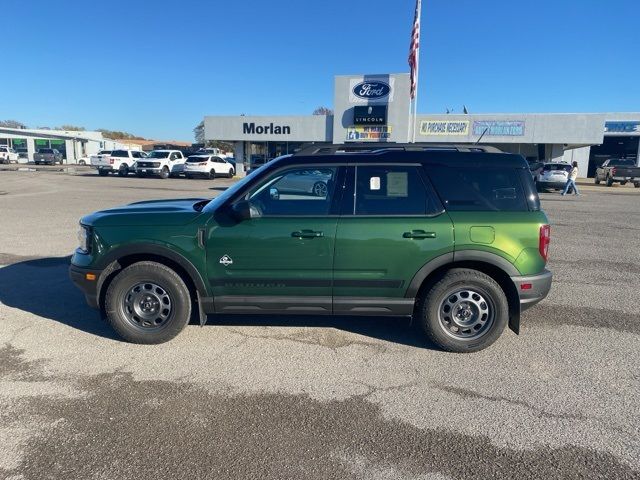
point(198, 132)
point(12, 124)
point(323, 111)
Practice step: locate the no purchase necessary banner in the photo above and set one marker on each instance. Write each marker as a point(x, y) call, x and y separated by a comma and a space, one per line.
point(444, 127)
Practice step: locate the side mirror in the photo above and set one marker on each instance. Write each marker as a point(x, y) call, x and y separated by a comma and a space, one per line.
point(243, 210)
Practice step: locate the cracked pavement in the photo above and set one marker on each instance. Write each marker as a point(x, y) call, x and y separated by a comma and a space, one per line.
point(302, 397)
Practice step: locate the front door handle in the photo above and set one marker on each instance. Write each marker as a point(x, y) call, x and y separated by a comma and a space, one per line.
point(419, 234)
point(307, 234)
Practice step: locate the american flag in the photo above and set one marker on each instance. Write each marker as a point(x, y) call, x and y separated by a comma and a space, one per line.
point(414, 49)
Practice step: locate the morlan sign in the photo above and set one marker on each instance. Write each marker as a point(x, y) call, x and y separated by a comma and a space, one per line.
point(270, 129)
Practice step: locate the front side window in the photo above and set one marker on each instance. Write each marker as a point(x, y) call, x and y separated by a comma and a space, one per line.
point(158, 154)
point(297, 191)
point(391, 190)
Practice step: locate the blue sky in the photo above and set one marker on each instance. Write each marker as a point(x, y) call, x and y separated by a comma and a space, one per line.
point(156, 68)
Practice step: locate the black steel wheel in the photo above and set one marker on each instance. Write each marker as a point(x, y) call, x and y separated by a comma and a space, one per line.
point(465, 311)
point(147, 302)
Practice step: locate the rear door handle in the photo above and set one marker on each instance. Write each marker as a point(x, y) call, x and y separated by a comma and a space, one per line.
point(419, 234)
point(307, 234)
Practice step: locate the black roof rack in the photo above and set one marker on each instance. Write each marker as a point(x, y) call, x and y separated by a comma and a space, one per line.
point(332, 149)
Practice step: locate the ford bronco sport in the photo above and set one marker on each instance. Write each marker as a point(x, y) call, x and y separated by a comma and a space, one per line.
point(453, 236)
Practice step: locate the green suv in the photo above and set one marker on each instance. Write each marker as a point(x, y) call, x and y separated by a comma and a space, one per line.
point(451, 236)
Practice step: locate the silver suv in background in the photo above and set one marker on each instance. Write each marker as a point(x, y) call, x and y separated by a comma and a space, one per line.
point(552, 176)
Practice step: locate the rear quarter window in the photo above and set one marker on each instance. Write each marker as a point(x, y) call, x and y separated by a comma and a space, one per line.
point(479, 189)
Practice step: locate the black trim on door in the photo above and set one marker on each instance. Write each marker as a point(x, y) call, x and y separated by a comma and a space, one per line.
point(303, 282)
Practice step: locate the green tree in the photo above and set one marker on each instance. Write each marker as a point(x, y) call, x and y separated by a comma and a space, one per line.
point(198, 132)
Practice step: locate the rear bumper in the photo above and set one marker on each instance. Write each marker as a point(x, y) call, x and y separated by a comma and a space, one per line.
point(78, 276)
point(533, 288)
point(552, 185)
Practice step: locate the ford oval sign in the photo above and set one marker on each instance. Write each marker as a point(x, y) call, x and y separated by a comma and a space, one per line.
point(371, 90)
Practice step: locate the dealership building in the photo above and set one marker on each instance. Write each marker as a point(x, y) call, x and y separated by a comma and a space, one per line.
point(375, 109)
point(72, 144)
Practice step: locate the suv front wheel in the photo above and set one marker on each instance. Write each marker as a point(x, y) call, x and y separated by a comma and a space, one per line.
point(148, 303)
point(465, 311)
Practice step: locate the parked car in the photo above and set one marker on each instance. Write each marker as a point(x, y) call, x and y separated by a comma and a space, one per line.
point(94, 160)
point(121, 162)
point(553, 176)
point(306, 182)
point(8, 154)
point(379, 241)
point(616, 170)
point(163, 163)
point(22, 152)
point(47, 155)
point(210, 166)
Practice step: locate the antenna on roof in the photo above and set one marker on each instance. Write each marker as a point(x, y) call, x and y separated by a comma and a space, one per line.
point(478, 141)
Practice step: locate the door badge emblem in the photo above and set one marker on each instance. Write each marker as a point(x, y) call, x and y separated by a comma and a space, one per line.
point(226, 260)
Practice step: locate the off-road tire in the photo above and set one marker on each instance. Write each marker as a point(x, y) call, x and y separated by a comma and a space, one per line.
point(428, 312)
point(150, 273)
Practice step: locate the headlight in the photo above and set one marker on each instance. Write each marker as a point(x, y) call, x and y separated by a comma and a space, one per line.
point(84, 238)
point(156, 164)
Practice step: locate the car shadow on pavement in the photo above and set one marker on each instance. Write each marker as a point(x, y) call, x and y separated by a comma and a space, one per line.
point(42, 287)
point(390, 329)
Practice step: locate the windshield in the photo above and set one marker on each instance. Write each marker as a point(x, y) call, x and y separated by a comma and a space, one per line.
point(156, 154)
point(197, 159)
point(622, 163)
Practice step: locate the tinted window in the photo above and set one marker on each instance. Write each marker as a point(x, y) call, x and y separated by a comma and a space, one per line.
point(297, 191)
point(197, 159)
point(556, 166)
point(104, 152)
point(120, 153)
point(622, 163)
point(391, 190)
point(45, 150)
point(479, 189)
point(156, 154)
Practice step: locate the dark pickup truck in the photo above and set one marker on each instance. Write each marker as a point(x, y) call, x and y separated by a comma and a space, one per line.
point(618, 171)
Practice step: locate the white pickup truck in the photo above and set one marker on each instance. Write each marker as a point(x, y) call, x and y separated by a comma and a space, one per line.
point(118, 161)
point(8, 155)
point(164, 163)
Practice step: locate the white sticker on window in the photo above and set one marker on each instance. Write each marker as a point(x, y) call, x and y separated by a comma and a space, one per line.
point(397, 184)
point(374, 183)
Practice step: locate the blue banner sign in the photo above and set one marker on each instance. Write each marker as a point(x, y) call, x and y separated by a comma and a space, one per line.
point(622, 127)
point(499, 128)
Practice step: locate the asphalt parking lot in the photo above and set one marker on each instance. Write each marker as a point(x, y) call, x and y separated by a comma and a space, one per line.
point(277, 397)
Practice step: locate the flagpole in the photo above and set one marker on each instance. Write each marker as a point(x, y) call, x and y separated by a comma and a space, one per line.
point(415, 98)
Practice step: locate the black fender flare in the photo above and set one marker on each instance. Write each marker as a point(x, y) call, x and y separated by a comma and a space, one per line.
point(459, 256)
point(110, 261)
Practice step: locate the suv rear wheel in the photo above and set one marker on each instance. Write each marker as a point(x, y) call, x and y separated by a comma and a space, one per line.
point(465, 311)
point(148, 303)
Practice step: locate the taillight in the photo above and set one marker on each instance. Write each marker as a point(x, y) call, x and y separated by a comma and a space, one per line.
point(613, 171)
point(545, 239)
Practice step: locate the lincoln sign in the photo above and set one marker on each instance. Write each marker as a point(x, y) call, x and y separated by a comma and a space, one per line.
point(270, 129)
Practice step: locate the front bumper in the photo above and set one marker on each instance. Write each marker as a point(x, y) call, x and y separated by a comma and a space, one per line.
point(78, 276)
point(533, 288)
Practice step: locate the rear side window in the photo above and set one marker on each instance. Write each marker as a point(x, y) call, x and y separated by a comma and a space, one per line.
point(479, 189)
point(391, 190)
point(120, 153)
